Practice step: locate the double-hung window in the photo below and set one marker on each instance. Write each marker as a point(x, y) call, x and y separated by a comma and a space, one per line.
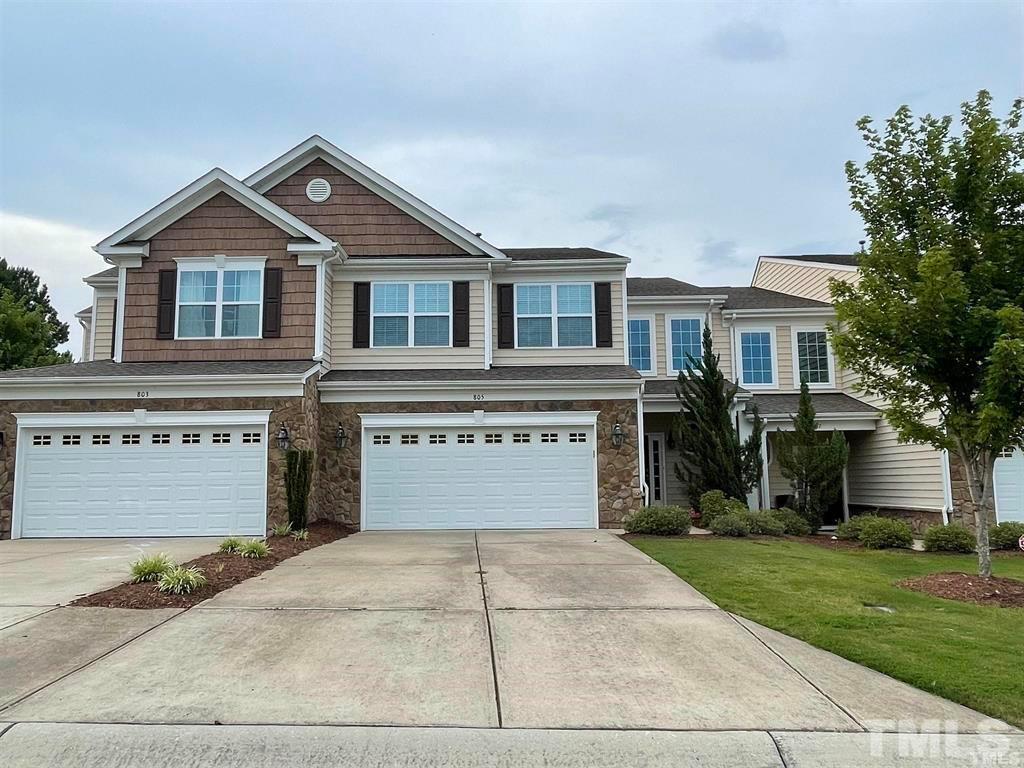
point(757, 357)
point(411, 315)
point(684, 338)
point(219, 298)
point(814, 359)
point(641, 348)
point(555, 315)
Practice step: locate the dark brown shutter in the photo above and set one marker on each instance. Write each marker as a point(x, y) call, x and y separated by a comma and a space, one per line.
point(167, 283)
point(506, 316)
point(603, 313)
point(113, 335)
point(273, 278)
point(361, 316)
point(460, 314)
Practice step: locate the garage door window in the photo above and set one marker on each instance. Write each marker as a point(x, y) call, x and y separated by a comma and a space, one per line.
point(40, 439)
point(71, 440)
point(161, 438)
point(133, 439)
point(466, 438)
point(101, 439)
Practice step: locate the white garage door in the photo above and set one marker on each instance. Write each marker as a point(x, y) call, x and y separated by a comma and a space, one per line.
point(486, 477)
point(134, 481)
point(1009, 486)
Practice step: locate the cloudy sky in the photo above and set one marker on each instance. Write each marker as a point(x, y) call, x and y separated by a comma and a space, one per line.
point(689, 137)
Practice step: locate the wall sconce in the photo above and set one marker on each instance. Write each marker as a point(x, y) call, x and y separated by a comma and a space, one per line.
point(2, 438)
point(283, 438)
point(340, 437)
point(618, 435)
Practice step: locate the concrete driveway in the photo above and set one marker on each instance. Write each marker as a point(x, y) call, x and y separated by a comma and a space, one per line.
point(478, 648)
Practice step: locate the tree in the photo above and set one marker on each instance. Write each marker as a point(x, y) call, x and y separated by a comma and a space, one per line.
point(30, 329)
point(935, 325)
point(713, 456)
point(812, 461)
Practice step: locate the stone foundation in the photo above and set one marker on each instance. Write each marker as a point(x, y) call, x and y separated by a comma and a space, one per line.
point(963, 506)
point(919, 519)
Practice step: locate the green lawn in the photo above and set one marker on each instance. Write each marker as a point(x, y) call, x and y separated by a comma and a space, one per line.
point(968, 653)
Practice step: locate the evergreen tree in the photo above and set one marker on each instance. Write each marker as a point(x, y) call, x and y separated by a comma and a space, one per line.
point(30, 330)
point(713, 456)
point(812, 461)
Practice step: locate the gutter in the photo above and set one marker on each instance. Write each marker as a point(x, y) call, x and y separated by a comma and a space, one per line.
point(338, 386)
point(270, 378)
point(947, 488)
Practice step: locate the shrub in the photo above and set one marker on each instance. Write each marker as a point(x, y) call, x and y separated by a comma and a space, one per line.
point(659, 521)
point(850, 530)
point(298, 473)
point(763, 523)
point(180, 580)
point(731, 524)
point(711, 505)
point(300, 535)
point(793, 523)
point(150, 567)
point(1005, 535)
point(254, 549)
point(282, 529)
point(948, 538)
point(886, 533)
point(230, 544)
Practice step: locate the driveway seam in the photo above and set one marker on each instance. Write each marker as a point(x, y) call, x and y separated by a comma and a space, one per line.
point(490, 631)
point(778, 749)
point(800, 674)
point(50, 609)
point(6, 728)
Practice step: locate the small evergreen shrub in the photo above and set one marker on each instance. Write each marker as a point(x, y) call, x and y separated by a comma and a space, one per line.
point(763, 523)
point(793, 524)
point(300, 535)
point(850, 530)
point(886, 533)
point(712, 504)
point(150, 567)
point(298, 473)
point(180, 580)
point(731, 525)
point(948, 538)
point(230, 544)
point(1006, 535)
point(282, 529)
point(254, 549)
point(659, 521)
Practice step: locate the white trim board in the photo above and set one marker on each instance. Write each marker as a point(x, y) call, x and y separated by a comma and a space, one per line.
point(801, 263)
point(141, 417)
point(479, 418)
point(475, 391)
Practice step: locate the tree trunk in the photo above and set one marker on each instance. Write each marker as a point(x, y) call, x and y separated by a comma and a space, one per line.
point(979, 469)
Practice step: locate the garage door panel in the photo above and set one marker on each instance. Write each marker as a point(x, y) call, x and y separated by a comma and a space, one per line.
point(1009, 486)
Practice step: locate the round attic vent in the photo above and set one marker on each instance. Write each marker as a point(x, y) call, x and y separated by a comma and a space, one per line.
point(318, 190)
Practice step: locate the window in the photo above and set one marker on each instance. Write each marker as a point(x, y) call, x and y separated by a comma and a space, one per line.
point(812, 353)
point(251, 438)
point(221, 438)
point(425, 307)
point(410, 439)
point(190, 438)
point(220, 299)
point(577, 437)
point(684, 338)
point(71, 440)
point(40, 439)
point(520, 437)
point(382, 439)
point(438, 439)
point(161, 438)
point(756, 357)
point(466, 438)
point(492, 438)
point(555, 315)
point(549, 437)
point(640, 344)
point(134, 439)
point(101, 439)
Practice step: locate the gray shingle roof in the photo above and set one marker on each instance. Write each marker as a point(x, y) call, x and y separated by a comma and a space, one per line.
point(668, 387)
point(498, 373)
point(540, 254)
point(110, 368)
point(112, 272)
point(738, 297)
point(844, 259)
point(824, 403)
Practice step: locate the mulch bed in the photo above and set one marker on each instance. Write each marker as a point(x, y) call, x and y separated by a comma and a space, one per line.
point(998, 591)
point(222, 570)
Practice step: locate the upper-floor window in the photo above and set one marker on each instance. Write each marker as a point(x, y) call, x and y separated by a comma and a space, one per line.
point(220, 299)
point(411, 315)
point(757, 357)
point(554, 315)
point(813, 356)
point(641, 354)
point(684, 338)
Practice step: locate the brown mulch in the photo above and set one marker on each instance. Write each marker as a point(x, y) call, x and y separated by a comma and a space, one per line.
point(998, 591)
point(222, 570)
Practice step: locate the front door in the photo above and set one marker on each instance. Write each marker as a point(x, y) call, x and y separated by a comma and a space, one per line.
point(654, 458)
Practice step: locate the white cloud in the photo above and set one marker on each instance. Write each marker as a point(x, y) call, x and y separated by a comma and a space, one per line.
point(61, 255)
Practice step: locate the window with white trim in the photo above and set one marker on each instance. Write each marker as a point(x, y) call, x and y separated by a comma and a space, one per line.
point(161, 438)
point(549, 437)
point(812, 356)
point(492, 438)
point(131, 439)
point(410, 440)
point(101, 439)
point(40, 439)
point(441, 439)
point(221, 438)
point(520, 437)
point(71, 440)
point(757, 357)
point(466, 438)
point(251, 438)
point(640, 356)
point(382, 439)
point(191, 438)
point(554, 315)
point(411, 315)
point(684, 338)
point(577, 437)
point(219, 299)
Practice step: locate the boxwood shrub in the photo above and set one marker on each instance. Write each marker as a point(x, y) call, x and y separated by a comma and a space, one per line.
point(731, 524)
point(948, 538)
point(764, 523)
point(659, 521)
point(792, 523)
point(1006, 535)
point(850, 530)
point(886, 533)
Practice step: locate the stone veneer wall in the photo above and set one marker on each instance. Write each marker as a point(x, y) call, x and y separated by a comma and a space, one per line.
point(618, 470)
point(963, 507)
point(919, 520)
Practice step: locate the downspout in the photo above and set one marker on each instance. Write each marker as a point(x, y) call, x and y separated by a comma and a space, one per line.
point(641, 439)
point(122, 276)
point(488, 328)
point(947, 488)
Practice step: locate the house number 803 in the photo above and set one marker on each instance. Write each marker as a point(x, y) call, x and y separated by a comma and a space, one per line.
point(142, 393)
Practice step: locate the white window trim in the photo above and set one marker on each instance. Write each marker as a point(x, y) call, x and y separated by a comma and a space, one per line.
point(653, 370)
point(219, 264)
point(412, 314)
point(553, 315)
point(770, 330)
point(669, 358)
point(831, 383)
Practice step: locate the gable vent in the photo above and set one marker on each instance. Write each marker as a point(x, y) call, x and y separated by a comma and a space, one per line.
point(318, 190)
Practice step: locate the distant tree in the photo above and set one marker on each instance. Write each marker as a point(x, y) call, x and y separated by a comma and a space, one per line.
point(936, 323)
point(30, 330)
point(812, 461)
point(713, 458)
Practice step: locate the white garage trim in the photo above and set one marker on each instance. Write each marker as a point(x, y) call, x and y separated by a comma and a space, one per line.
point(475, 391)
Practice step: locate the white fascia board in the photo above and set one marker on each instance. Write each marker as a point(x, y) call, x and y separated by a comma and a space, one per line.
point(85, 314)
point(743, 314)
point(701, 300)
point(479, 419)
point(480, 391)
point(316, 146)
point(194, 195)
point(144, 388)
point(851, 423)
point(415, 269)
point(807, 264)
point(141, 417)
point(109, 281)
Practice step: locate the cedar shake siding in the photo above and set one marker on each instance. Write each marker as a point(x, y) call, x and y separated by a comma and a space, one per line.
point(219, 226)
point(364, 223)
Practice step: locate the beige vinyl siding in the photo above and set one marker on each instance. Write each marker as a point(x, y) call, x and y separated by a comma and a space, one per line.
point(809, 281)
point(784, 351)
point(104, 326)
point(328, 318)
point(613, 355)
point(720, 338)
point(86, 325)
point(345, 357)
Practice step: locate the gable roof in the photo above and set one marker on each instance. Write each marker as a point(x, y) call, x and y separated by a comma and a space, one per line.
point(317, 146)
point(737, 297)
point(842, 259)
point(130, 239)
point(558, 254)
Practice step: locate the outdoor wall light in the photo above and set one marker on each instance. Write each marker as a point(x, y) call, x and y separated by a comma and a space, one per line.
point(618, 435)
point(1, 441)
point(340, 437)
point(283, 438)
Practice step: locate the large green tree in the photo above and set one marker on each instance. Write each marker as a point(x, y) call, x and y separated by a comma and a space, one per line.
point(713, 457)
point(30, 330)
point(936, 323)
